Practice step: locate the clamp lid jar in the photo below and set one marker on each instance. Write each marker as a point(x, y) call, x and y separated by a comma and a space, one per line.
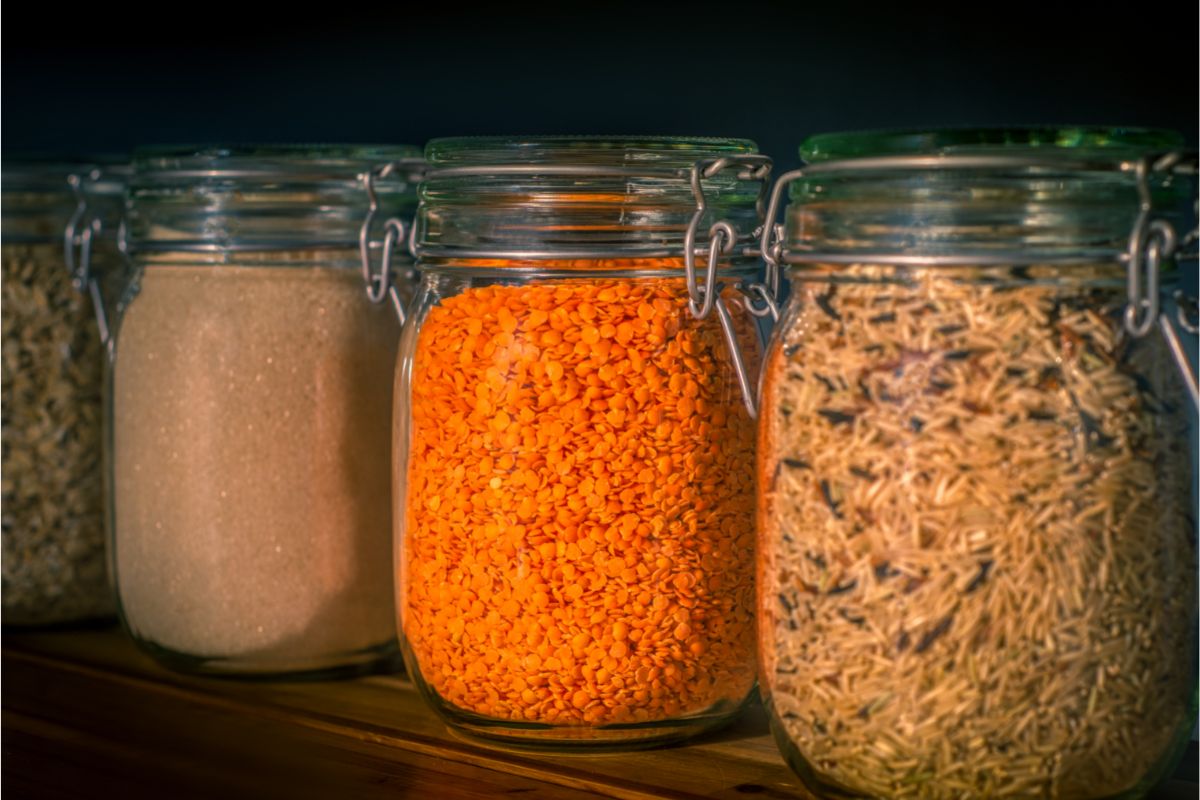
point(574, 507)
point(250, 397)
point(977, 548)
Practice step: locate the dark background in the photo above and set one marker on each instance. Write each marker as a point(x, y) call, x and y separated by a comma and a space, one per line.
point(109, 79)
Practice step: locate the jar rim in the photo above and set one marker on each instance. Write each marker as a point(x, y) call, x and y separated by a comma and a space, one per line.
point(1069, 140)
point(108, 173)
point(581, 197)
point(1016, 195)
point(334, 161)
point(600, 150)
point(222, 198)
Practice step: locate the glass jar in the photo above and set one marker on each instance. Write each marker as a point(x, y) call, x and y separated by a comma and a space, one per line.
point(978, 550)
point(250, 399)
point(55, 566)
point(574, 501)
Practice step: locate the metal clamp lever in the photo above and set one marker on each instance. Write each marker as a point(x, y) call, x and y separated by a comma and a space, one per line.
point(704, 298)
point(79, 236)
point(756, 291)
point(771, 233)
point(381, 283)
point(1152, 242)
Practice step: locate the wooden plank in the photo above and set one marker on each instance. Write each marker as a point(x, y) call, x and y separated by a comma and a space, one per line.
point(68, 730)
point(87, 709)
point(387, 711)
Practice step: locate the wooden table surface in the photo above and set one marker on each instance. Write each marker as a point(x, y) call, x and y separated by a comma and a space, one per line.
point(87, 715)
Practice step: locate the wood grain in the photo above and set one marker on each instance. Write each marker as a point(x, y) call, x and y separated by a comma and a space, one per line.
point(85, 714)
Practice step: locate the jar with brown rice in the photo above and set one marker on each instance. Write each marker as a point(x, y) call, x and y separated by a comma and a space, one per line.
point(54, 557)
point(251, 402)
point(976, 523)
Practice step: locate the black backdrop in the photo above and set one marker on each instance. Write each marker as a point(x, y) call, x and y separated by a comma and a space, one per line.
point(106, 81)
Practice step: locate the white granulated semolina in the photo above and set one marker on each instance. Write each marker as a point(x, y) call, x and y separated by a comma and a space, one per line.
point(252, 409)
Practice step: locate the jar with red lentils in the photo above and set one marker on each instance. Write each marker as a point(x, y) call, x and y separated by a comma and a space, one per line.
point(573, 459)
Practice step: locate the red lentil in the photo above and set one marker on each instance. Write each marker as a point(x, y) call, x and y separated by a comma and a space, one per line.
point(578, 544)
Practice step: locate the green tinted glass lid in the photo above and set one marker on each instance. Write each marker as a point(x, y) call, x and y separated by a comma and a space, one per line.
point(1076, 140)
point(1042, 194)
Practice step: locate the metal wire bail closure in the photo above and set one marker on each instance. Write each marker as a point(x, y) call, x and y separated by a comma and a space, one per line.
point(1148, 243)
point(1152, 242)
point(771, 235)
point(380, 283)
point(1187, 312)
point(78, 237)
point(704, 298)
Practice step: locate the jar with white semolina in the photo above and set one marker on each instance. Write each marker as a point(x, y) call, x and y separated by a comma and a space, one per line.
point(251, 402)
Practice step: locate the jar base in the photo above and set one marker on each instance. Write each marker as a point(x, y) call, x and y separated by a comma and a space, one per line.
point(581, 740)
point(384, 658)
point(812, 780)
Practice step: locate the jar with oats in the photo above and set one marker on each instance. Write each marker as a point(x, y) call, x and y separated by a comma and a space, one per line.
point(976, 511)
point(574, 490)
point(251, 399)
point(55, 310)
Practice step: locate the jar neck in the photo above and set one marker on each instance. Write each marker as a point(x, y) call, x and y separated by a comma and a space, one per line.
point(984, 196)
point(1017, 215)
point(227, 200)
point(605, 221)
point(343, 257)
point(31, 217)
point(583, 199)
point(1097, 275)
point(38, 201)
point(577, 269)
